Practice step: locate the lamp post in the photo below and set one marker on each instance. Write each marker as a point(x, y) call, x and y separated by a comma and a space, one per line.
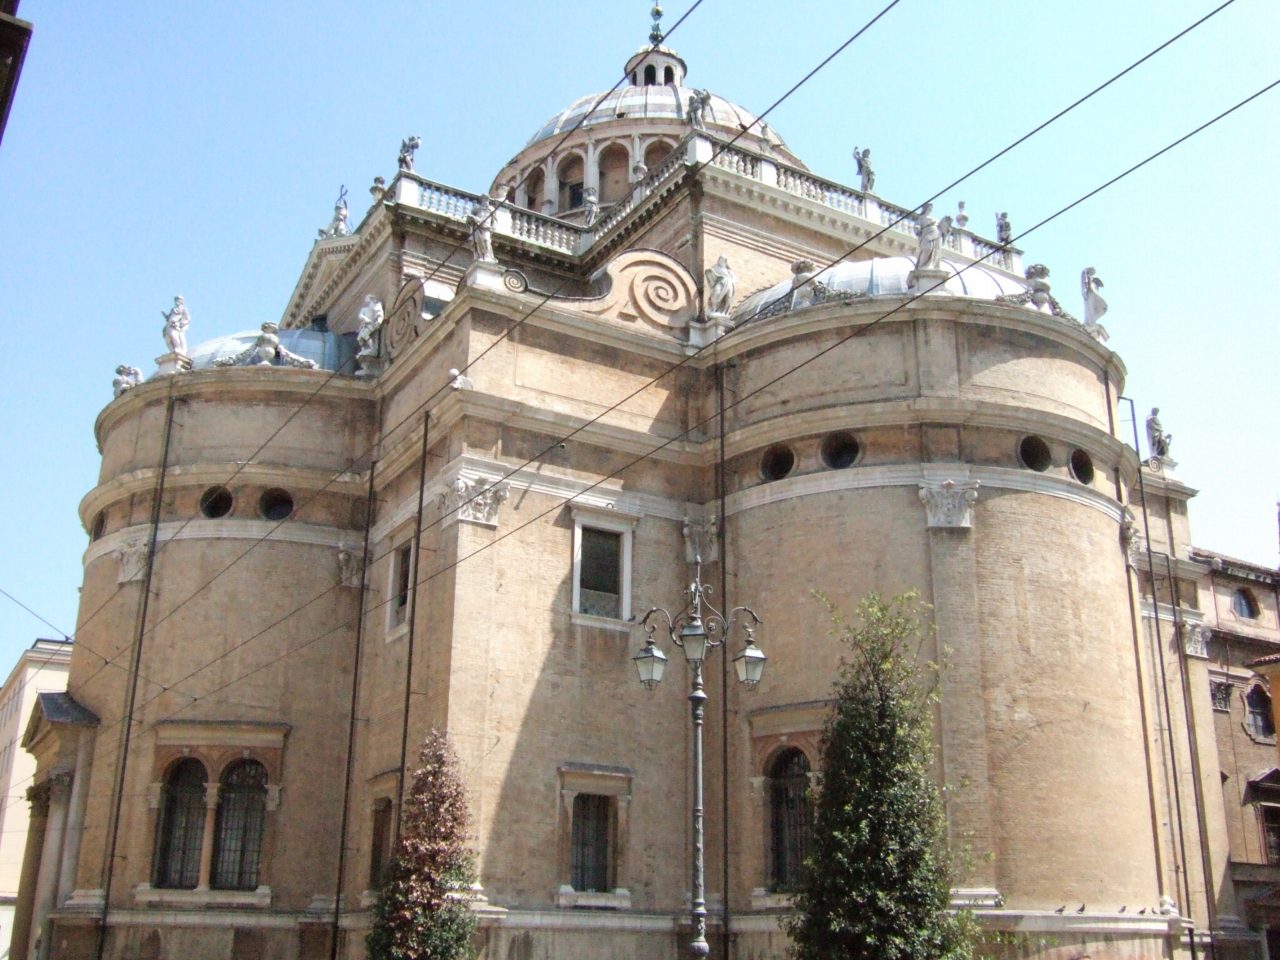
point(696, 629)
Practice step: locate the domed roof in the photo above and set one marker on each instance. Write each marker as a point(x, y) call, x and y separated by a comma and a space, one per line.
point(654, 102)
point(880, 276)
point(330, 351)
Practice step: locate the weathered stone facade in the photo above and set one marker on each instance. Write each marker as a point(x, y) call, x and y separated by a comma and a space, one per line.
point(429, 571)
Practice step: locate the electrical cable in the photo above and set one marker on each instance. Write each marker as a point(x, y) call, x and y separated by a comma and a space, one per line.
point(385, 434)
point(851, 336)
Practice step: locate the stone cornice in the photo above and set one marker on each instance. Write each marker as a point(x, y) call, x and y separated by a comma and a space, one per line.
point(916, 411)
point(202, 475)
point(912, 475)
point(237, 383)
point(224, 529)
point(870, 310)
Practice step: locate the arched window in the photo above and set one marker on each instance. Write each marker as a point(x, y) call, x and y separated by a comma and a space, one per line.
point(570, 174)
point(789, 815)
point(615, 166)
point(533, 190)
point(668, 76)
point(1257, 707)
point(237, 844)
point(650, 75)
point(655, 153)
point(177, 859)
point(1243, 605)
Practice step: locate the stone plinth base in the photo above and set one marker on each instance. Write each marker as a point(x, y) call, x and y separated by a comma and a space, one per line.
point(927, 281)
point(715, 327)
point(170, 363)
point(485, 275)
point(370, 366)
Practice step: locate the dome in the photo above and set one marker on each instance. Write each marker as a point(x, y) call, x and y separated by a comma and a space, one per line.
point(882, 276)
point(330, 351)
point(654, 102)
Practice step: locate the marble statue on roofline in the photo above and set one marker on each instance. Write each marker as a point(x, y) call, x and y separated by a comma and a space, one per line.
point(1004, 230)
point(408, 148)
point(338, 226)
point(1094, 305)
point(720, 286)
point(1157, 440)
point(962, 218)
point(126, 379)
point(176, 322)
point(699, 100)
point(370, 323)
point(932, 235)
point(480, 219)
point(865, 170)
point(266, 351)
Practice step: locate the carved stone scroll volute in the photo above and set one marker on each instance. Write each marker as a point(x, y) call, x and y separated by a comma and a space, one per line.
point(645, 285)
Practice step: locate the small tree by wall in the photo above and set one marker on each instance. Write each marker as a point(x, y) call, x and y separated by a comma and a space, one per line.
point(876, 883)
point(421, 912)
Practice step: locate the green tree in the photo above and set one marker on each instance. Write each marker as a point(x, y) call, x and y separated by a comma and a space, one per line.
point(419, 913)
point(876, 882)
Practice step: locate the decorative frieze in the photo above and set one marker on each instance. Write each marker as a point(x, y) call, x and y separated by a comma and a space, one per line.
point(701, 539)
point(1220, 695)
point(949, 504)
point(350, 567)
point(132, 557)
point(475, 501)
point(1195, 640)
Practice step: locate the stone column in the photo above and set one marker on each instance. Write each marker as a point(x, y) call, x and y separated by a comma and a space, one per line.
point(19, 942)
point(75, 817)
point(948, 505)
point(591, 168)
point(550, 186)
point(50, 859)
point(206, 839)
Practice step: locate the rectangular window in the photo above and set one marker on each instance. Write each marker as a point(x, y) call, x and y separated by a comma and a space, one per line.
point(401, 582)
point(380, 851)
point(591, 857)
point(1271, 832)
point(600, 573)
point(602, 546)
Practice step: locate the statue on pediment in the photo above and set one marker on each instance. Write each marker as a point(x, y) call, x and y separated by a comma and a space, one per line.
point(338, 226)
point(695, 113)
point(1157, 440)
point(126, 379)
point(408, 148)
point(176, 322)
point(481, 222)
point(266, 351)
point(865, 171)
point(720, 287)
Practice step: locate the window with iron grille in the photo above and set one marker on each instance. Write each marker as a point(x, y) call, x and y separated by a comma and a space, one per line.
point(177, 859)
point(601, 573)
point(1258, 713)
point(1271, 832)
point(380, 851)
point(590, 842)
point(790, 817)
point(242, 808)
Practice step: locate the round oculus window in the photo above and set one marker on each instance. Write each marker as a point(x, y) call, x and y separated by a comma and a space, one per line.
point(840, 450)
point(275, 505)
point(777, 462)
point(1034, 454)
point(1082, 466)
point(216, 502)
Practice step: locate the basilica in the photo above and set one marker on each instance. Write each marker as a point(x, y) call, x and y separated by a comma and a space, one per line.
point(489, 432)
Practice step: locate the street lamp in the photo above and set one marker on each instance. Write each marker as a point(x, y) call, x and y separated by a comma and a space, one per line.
point(696, 629)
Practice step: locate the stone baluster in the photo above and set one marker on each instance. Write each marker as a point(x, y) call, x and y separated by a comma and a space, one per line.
point(206, 840)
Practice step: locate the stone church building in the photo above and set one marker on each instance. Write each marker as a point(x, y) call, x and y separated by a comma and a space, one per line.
point(489, 432)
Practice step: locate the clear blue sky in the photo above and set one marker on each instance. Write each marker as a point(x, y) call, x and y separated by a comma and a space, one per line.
point(161, 148)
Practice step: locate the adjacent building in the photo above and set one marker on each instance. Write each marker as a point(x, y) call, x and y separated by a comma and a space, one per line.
point(489, 432)
point(40, 670)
